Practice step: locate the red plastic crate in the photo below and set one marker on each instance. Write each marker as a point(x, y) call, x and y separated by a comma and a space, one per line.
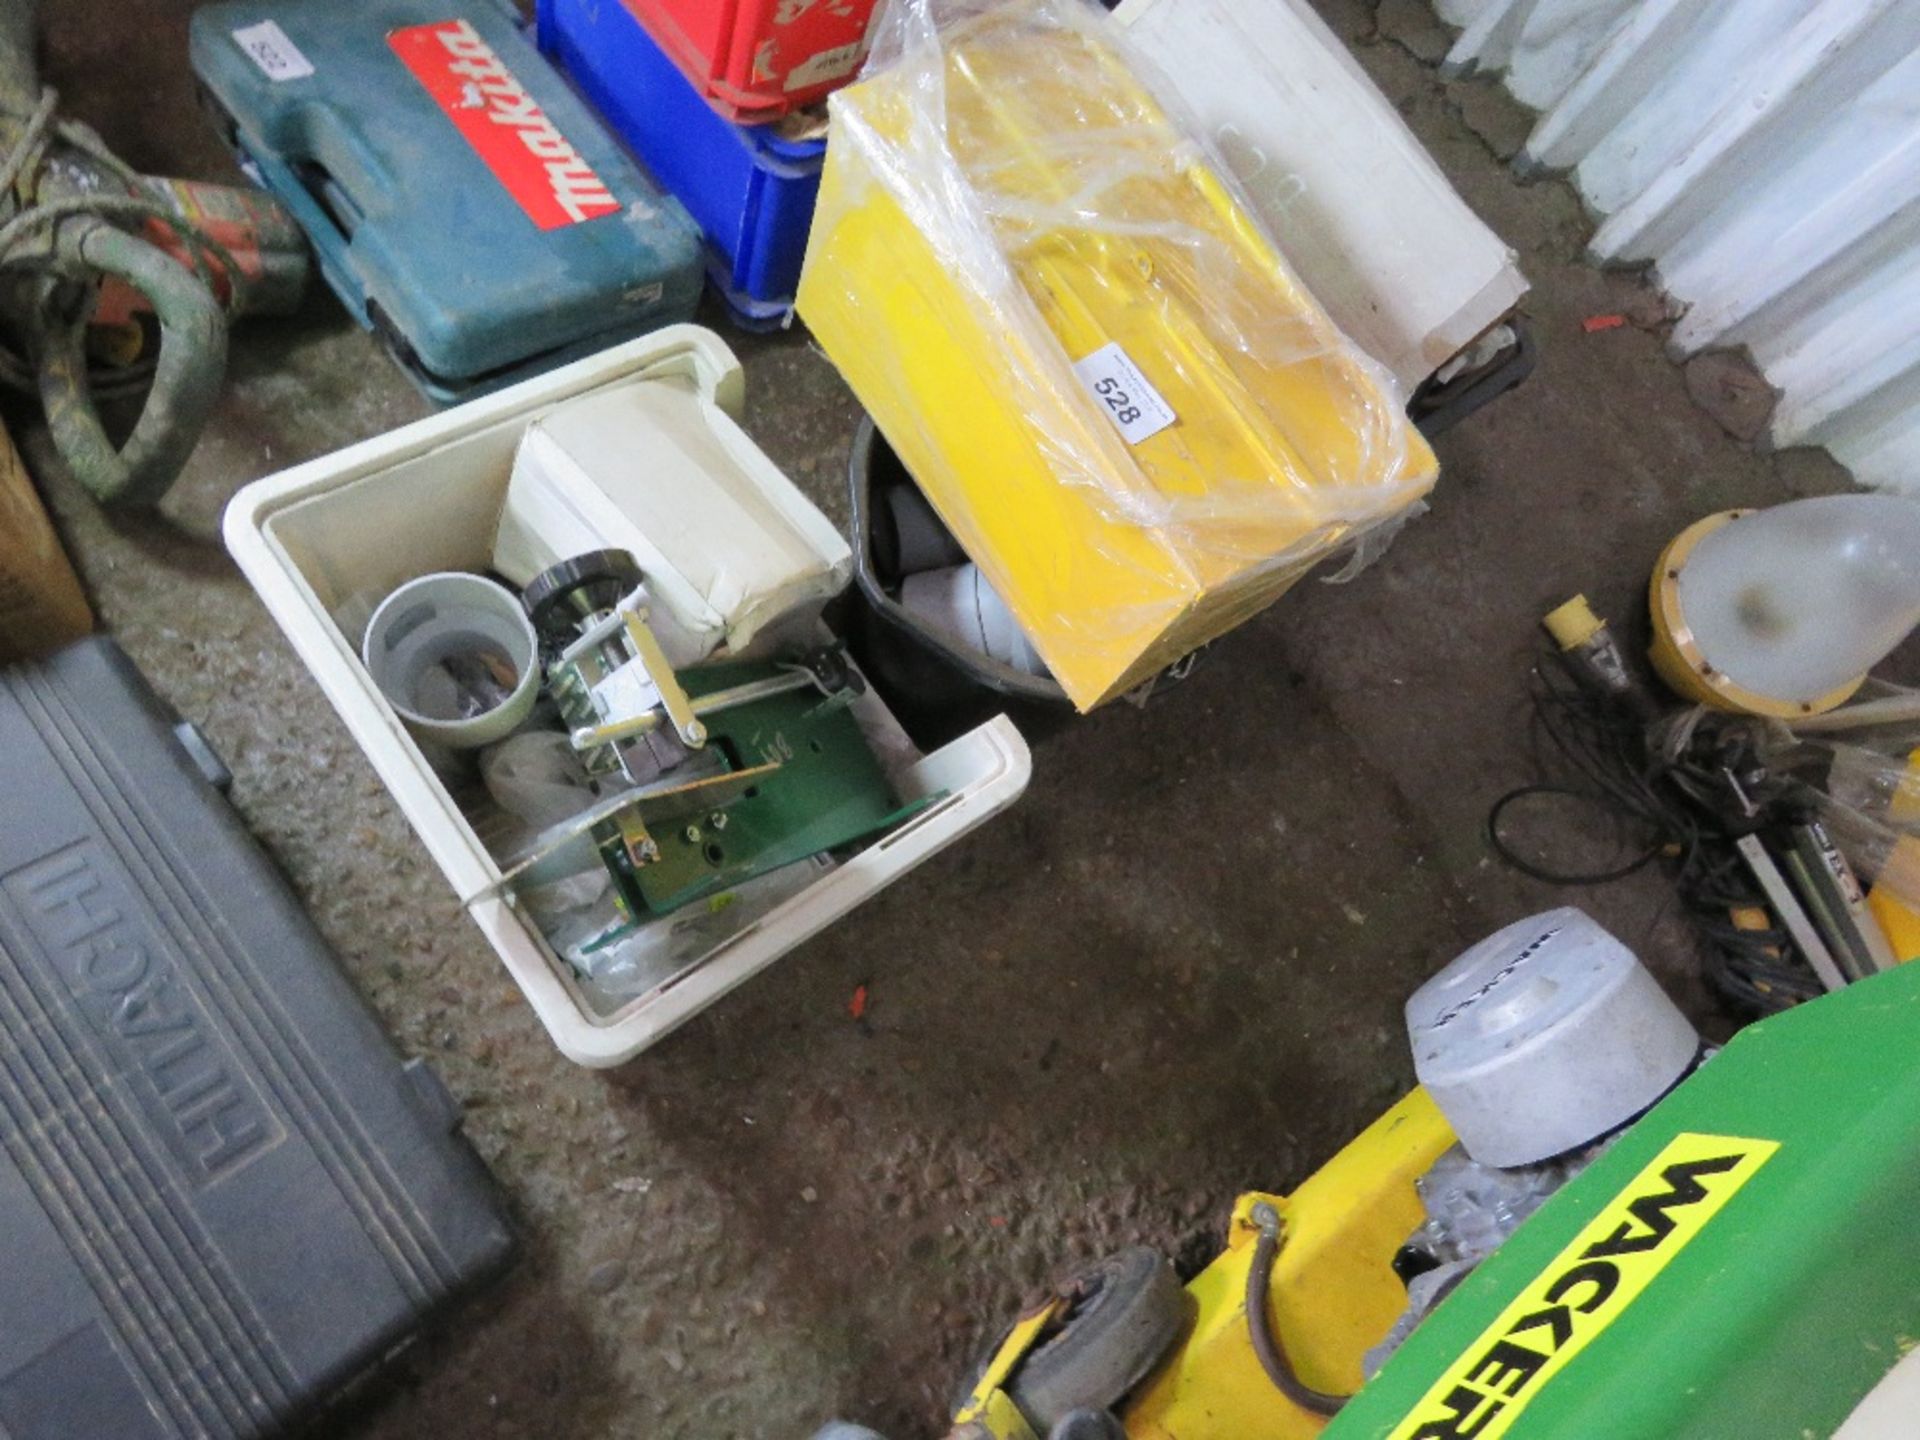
point(757, 59)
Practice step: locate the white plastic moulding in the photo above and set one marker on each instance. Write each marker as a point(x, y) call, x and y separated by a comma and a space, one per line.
point(1353, 200)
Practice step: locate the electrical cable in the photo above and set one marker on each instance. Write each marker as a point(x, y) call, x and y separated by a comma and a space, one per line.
point(1558, 877)
point(1661, 789)
point(1266, 1345)
point(71, 218)
point(205, 256)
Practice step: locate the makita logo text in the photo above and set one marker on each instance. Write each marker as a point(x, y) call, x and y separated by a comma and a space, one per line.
point(523, 148)
point(577, 189)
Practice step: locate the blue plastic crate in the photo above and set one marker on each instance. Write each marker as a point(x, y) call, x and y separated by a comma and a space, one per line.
point(747, 187)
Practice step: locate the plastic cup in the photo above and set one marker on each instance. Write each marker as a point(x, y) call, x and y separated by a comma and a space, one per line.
point(456, 657)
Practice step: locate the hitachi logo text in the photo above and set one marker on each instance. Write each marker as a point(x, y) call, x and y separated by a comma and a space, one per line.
point(88, 921)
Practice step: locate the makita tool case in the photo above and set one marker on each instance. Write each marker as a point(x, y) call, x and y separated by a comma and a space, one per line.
point(462, 200)
point(223, 1194)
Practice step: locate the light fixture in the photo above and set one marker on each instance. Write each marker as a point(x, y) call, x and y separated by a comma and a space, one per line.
point(1782, 612)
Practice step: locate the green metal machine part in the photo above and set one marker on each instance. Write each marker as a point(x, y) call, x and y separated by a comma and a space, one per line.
point(800, 778)
point(1743, 1264)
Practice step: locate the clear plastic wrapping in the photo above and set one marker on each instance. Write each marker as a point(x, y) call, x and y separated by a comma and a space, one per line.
point(1089, 354)
point(1866, 787)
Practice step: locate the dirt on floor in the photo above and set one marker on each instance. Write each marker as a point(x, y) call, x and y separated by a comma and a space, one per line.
point(1173, 971)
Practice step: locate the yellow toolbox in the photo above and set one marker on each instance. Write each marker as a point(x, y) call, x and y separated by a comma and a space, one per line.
point(1098, 367)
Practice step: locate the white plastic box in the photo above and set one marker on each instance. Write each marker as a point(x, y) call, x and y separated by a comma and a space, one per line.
point(1356, 204)
point(433, 496)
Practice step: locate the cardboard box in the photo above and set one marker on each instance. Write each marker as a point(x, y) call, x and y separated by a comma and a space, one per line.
point(41, 604)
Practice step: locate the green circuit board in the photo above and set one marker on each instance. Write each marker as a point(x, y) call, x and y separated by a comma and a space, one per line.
point(799, 778)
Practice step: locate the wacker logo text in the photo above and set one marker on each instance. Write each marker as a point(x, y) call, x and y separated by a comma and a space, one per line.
point(1586, 1288)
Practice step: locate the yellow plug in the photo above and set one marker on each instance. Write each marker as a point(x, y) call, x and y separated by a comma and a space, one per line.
point(1573, 624)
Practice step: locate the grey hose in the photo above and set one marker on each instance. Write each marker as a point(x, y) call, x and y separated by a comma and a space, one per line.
point(1266, 1345)
point(61, 238)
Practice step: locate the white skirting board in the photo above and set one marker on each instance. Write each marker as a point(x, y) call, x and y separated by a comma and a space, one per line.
point(1764, 155)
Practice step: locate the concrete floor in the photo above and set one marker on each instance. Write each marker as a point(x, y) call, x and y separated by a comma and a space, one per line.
point(1173, 971)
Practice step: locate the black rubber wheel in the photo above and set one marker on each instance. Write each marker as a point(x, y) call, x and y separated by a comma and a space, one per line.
point(1127, 1313)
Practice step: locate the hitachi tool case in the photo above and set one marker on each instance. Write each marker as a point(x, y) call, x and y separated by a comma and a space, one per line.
point(223, 1195)
point(461, 199)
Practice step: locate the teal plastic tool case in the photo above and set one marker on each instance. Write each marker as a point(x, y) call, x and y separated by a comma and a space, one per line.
point(223, 1195)
point(461, 199)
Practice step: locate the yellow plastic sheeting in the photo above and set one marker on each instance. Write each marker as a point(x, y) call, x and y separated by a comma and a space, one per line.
point(1003, 198)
